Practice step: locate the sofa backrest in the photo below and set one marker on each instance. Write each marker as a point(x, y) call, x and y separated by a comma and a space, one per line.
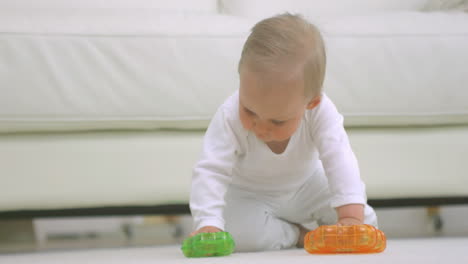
point(98, 68)
point(207, 6)
point(317, 9)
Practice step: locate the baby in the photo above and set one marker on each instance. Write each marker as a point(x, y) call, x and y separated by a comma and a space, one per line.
point(276, 155)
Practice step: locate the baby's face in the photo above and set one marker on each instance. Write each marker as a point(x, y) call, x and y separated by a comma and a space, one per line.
point(270, 107)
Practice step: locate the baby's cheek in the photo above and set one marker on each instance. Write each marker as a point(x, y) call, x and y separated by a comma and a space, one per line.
point(246, 122)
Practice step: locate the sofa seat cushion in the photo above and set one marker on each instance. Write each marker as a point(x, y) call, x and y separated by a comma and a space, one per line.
point(133, 168)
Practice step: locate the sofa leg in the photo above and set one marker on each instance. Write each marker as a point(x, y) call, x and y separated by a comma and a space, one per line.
point(128, 231)
point(435, 218)
point(174, 220)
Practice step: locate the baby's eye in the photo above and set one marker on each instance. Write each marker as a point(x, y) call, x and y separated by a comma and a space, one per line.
point(277, 122)
point(248, 111)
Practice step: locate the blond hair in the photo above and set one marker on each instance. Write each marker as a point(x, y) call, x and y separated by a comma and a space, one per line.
point(287, 43)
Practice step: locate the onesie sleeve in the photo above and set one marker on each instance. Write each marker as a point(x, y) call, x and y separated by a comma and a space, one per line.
point(212, 173)
point(339, 162)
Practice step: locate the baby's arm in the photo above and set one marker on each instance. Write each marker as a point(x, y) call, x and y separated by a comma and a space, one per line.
point(340, 163)
point(212, 174)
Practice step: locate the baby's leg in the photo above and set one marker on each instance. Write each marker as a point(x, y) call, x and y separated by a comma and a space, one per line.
point(252, 224)
point(312, 203)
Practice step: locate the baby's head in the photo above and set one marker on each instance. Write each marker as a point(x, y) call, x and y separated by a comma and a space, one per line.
point(281, 70)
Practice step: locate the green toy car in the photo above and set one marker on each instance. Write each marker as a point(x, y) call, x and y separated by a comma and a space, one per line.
point(208, 245)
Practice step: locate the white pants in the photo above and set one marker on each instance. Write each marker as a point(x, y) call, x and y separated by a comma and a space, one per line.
point(261, 222)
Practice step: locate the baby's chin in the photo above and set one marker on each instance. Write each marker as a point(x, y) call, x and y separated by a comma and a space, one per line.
point(265, 140)
point(273, 140)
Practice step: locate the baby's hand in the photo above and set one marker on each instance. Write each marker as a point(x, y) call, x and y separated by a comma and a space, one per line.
point(350, 214)
point(206, 229)
point(347, 221)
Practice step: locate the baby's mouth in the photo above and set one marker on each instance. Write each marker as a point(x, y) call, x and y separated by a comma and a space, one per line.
point(262, 138)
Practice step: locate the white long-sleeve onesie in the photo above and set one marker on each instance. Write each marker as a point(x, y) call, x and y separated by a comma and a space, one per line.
point(233, 155)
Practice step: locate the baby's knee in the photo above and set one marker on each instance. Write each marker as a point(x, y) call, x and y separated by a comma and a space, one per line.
point(248, 235)
point(250, 241)
point(269, 234)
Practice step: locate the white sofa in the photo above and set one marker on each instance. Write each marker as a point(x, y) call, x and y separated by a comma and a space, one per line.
point(103, 103)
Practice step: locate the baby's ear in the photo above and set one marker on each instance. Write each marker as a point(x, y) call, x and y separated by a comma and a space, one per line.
point(314, 102)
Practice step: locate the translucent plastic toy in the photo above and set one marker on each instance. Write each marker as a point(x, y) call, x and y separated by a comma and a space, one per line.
point(208, 245)
point(345, 239)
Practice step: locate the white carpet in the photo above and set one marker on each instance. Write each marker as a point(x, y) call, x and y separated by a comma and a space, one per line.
point(427, 251)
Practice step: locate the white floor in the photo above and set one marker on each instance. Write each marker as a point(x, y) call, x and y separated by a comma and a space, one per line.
point(427, 251)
